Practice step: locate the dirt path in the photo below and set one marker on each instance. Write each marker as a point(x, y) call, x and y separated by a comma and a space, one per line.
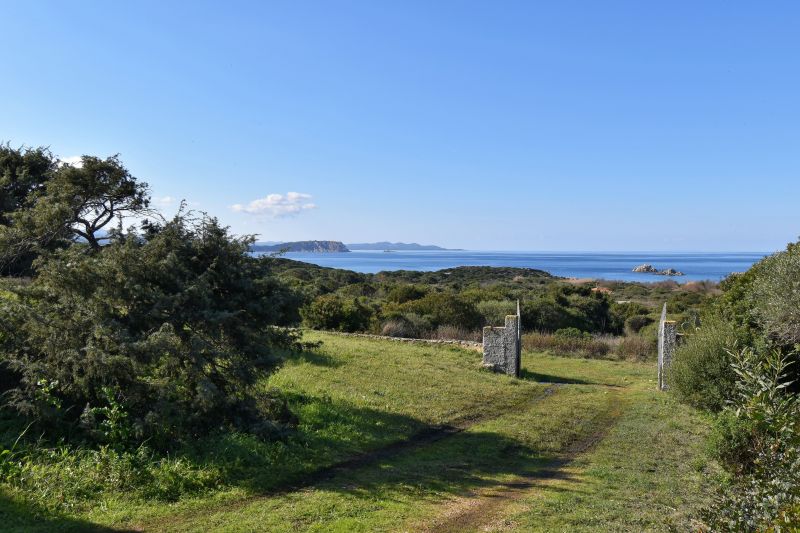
point(486, 510)
point(423, 438)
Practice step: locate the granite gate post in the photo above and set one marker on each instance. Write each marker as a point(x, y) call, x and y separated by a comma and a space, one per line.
point(502, 345)
point(667, 339)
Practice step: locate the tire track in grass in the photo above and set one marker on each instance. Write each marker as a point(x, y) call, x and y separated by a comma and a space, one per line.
point(484, 511)
point(418, 440)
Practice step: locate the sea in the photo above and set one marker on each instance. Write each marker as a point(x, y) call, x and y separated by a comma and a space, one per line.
point(598, 265)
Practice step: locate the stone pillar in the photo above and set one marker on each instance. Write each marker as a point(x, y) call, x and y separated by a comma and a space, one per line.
point(667, 340)
point(502, 346)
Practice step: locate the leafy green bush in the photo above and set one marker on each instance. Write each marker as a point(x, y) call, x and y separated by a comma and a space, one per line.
point(762, 427)
point(158, 336)
point(443, 309)
point(405, 293)
point(634, 324)
point(776, 296)
point(572, 333)
point(732, 441)
point(700, 373)
point(332, 312)
point(494, 312)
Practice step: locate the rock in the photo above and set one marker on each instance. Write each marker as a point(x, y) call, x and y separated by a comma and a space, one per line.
point(647, 268)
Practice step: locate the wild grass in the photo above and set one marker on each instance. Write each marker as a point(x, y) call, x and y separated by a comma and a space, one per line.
point(354, 395)
point(629, 348)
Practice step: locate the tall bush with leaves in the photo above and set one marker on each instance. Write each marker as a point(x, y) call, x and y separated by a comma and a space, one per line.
point(164, 332)
point(701, 373)
point(763, 449)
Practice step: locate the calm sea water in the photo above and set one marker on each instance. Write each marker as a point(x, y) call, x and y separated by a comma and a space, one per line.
point(616, 266)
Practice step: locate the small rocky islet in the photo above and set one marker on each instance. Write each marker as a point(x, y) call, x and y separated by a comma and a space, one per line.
point(647, 268)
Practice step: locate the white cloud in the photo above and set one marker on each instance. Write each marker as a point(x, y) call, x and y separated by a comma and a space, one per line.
point(164, 201)
point(74, 160)
point(277, 205)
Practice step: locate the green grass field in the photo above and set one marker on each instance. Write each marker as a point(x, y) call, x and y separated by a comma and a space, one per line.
point(415, 437)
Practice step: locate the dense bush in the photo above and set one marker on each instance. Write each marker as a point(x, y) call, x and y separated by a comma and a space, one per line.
point(441, 309)
point(567, 306)
point(757, 434)
point(758, 438)
point(156, 336)
point(634, 324)
point(333, 312)
point(776, 296)
point(701, 374)
point(405, 293)
point(494, 312)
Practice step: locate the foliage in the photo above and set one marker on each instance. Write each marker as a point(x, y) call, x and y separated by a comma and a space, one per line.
point(332, 312)
point(158, 336)
point(700, 373)
point(572, 333)
point(440, 308)
point(494, 312)
point(634, 324)
point(776, 296)
point(74, 203)
point(404, 293)
point(765, 448)
point(416, 304)
point(23, 173)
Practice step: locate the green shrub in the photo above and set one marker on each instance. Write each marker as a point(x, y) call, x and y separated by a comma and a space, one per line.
point(332, 312)
point(405, 293)
point(634, 324)
point(732, 441)
point(494, 312)
point(700, 373)
point(572, 333)
point(444, 309)
point(776, 296)
point(158, 336)
point(758, 438)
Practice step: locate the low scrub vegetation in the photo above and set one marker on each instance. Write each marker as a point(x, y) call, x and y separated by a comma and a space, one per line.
point(633, 348)
point(742, 364)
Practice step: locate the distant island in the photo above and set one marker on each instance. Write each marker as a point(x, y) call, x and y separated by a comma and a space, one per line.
point(301, 246)
point(393, 246)
point(650, 269)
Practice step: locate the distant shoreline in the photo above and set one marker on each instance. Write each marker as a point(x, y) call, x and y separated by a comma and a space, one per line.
point(711, 266)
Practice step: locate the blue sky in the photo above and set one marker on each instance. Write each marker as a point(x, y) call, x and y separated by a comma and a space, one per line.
point(482, 125)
